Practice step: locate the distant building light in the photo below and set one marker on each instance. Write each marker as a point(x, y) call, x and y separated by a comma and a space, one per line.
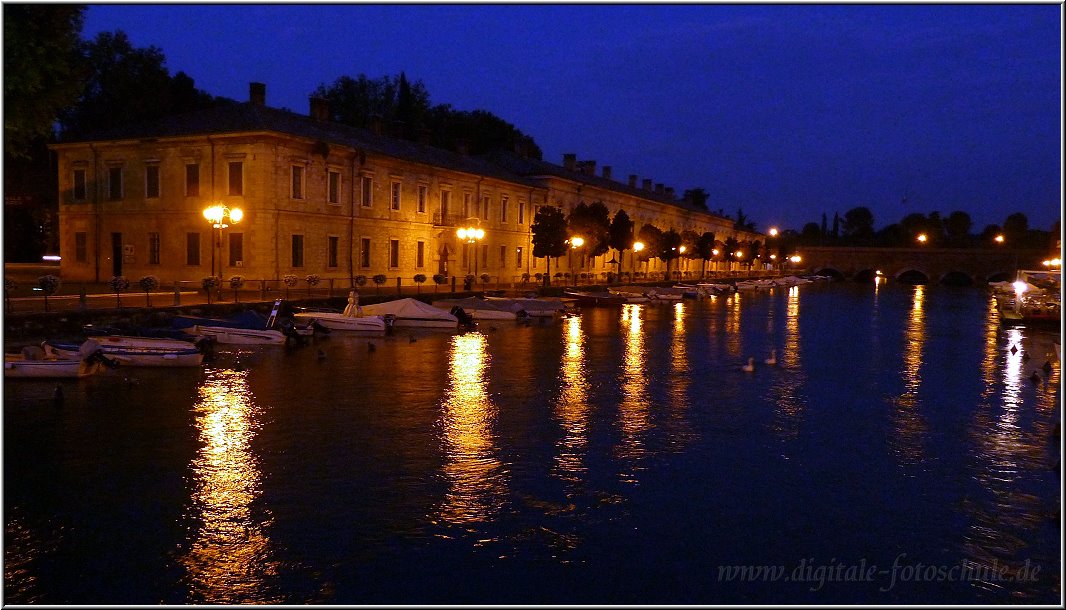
point(51, 257)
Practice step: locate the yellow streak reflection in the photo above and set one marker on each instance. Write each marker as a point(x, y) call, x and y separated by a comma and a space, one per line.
point(229, 561)
point(633, 412)
point(473, 469)
point(572, 408)
point(679, 432)
point(732, 324)
point(786, 389)
point(910, 427)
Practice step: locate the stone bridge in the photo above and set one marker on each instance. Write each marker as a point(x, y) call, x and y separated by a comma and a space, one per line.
point(920, 265)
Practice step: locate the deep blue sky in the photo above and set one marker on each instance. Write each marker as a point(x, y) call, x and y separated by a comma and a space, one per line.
point(784, 111)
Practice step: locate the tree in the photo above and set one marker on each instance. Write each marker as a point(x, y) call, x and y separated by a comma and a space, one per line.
point(118, 284)
point(593, 224)
point(148, 283)
point(620, 234)
point(549, 234)
point(858, 223)
point(731, 247)
point(43, 70)
point(957, 226)
point(705, 250)
point(811, 234)
point(1015, 228)
point(420, 278)
point(669, 247)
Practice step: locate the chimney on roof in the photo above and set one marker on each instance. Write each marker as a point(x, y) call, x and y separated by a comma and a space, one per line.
point(257, 94)
point(632, 181)
point(320, 109)
point(607, 172)
point(569, 160)
point(647, 184)
point(670, 192)
point(589, 167)
point(659, 188)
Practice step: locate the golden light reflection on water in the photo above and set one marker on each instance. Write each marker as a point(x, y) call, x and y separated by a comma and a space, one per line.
point(229, 560)
point(572, 409)
point(472, 468)
point(732, 324)
point(634, 411)
point(909, 427)
point(1008, 449)
point(787, 390)
point(678, 432)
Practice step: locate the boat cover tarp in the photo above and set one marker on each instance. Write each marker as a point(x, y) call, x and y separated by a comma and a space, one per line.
point(248, 319)
point(411, 309)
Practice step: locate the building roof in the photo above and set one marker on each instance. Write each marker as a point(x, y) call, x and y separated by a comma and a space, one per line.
point(250, 117)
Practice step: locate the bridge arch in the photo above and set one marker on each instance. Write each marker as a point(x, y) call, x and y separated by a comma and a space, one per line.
point(835, 274)
point(865, 276)
point(956, 278)
point(910, 275)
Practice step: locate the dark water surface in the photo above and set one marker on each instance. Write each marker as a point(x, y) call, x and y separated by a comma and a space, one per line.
point(897, 453)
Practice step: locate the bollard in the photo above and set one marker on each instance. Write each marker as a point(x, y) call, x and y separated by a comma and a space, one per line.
point(83, 300)
point(177, 294)
point(453, 283)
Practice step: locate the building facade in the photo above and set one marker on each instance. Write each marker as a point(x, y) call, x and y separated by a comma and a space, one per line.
point(321, 198)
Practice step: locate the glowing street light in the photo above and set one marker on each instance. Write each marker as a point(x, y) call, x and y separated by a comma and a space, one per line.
point(795, 258)
point(773, 232)
point(220, 218)
point(922, 238)
point(1055, 262)
point(577, 242)
point(471, 234)
point(998, 239)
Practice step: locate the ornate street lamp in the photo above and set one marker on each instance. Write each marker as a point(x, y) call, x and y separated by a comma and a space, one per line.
point(637, 247)
point(575, 243)
point(471, 234)
point(220, 218)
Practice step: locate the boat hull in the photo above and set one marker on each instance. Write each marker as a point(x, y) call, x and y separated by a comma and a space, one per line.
point(138, 351)
point(241, 336)
point(18, 368)
point(339, 321)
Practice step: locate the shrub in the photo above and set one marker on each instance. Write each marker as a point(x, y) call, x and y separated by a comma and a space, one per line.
point(420, 278)
point(48, 285)
point(148, 283)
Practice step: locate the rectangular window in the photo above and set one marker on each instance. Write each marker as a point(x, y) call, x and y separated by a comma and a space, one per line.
point(151, 182)
point(236, 178)
point(521, 212)
point(503, 208)
point(367, 190)
point(445, 203)
point(485, 207)
point(297, 250)
point(484, 255)
point(466, 256)
point(394, 253)
point(364, 252)
point(79, 185)
point(331, 254)
point(518, 257)
point(153, 248)
point(192, 249)
point(81, 254)
point(192, 180)
point(503, 256)
point(236, 249)
point(297, 182)
point(466, 204)
point(114, 183)
point(395, 197)
point(420, 254)
point(335, 187)
point(423, 194)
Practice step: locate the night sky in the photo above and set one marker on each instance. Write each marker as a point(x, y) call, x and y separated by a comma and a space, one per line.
point(784, 111)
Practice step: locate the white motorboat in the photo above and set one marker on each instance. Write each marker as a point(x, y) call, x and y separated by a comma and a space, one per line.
point(412, 313)
point(35, 363)
point(533, 307)
point(136, 351)
point(352, 319)
point(339, 321)
point(240, 336)
point(479, 309)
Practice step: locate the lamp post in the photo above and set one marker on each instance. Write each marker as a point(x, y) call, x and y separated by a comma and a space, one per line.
point(772, 233)
point(220, 218)
point(637, 247)
point(575, 243)
point(471, 234)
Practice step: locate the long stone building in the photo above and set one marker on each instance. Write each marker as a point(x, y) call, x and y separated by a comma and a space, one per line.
point(323, 198)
